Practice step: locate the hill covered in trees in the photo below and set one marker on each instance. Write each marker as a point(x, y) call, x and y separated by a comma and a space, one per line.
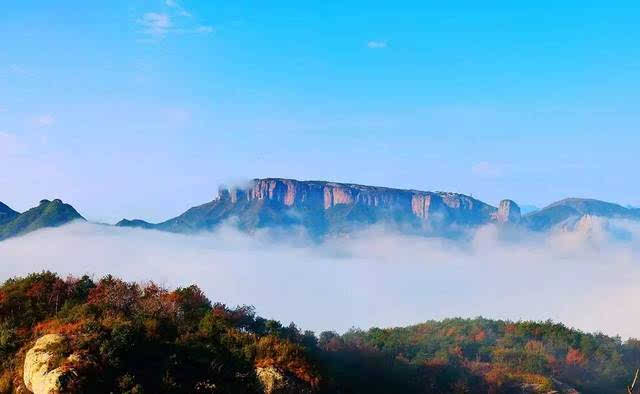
point(47, 214)
point(82, 335)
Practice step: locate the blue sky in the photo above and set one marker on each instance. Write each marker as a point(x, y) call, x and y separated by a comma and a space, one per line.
point(142, 108)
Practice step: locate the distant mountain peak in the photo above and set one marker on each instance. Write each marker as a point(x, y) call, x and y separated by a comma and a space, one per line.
point(46, 214)
point(6, 214)
point(508, 212)
point(576, 208)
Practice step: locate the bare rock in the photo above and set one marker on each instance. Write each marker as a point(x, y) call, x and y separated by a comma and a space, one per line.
point(508, 212)
point(42, 371)
point(274, 381)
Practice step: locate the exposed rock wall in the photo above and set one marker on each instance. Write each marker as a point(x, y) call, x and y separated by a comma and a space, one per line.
point(420, 204)
point(508, 212)
point(326, 195)
point(274, 381)
point(42, 373)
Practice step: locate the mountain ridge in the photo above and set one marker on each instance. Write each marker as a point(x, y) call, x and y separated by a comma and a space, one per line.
point(325, 208)
point(574, 208)
point(341, 207)
point(47, 214)
point(7, 214)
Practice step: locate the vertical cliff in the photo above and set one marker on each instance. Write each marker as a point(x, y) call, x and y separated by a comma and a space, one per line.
point(508, 212)
point(341, 205)
point(329, 207)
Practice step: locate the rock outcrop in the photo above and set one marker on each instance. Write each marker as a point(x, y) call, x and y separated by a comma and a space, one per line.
point(43, 372)
point(327, 195)
point(508, 212)
point(273, 381)
point(319, 195)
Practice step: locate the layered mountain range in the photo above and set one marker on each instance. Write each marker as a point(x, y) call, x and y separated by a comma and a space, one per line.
point(332, 208)
point(325, 208)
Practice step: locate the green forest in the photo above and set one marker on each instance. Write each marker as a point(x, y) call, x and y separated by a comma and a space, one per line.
point(114, 336)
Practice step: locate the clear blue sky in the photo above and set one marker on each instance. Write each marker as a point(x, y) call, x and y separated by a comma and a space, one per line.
point(141, 108)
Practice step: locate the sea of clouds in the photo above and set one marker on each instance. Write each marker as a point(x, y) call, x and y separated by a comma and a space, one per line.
point(588, 278)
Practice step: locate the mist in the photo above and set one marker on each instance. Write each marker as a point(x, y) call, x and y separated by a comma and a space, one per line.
point(585, 278)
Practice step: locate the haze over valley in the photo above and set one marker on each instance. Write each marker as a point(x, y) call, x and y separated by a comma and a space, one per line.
point(319, 197)
point(378, 257)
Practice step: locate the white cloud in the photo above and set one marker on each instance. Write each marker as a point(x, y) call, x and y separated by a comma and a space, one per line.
point(178, 7)
point(204, 29)
point(155, 24)
point(486, 169)
point(159, 25)
point(377, 44)
point(371, 278)
point(45, 120)
point(17, 69)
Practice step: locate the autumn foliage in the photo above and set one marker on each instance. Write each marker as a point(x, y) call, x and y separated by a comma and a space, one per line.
point(141, 337)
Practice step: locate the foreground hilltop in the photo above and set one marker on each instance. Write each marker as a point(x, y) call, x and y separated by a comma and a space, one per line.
point(77, 335)
point(329, 207)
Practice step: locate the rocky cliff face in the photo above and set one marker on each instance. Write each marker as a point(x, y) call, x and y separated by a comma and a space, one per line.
point(508, 212)
point(318, 195)
point(327, 207)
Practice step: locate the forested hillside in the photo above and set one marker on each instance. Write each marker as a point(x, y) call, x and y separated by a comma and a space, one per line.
point(109, 335)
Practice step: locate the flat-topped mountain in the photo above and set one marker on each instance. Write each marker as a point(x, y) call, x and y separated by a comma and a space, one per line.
point(329, 207)
point(325, 208)
point(46, 214)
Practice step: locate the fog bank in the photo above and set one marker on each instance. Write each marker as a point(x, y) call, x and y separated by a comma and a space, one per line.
point(586, 278)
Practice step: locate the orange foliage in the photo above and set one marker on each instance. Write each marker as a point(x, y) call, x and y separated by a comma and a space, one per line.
point(497, 376)
point(510, 328)
point(457, 350)
point(156, 301)
point(273, 352)
point(575, 357)
point(480, 336)
point(55, 326)
point(36, 290)
point(534, 346)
